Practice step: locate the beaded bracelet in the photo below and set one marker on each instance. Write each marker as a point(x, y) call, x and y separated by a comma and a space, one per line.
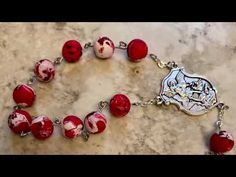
point(192, 94)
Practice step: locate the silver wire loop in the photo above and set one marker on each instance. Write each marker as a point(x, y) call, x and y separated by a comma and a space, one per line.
point(31, 80)
point(221, 108)
point(85, 134)
point(122, 45)
point(57, 121)
point(58, 60)
point(102, 105)
point(87, 45)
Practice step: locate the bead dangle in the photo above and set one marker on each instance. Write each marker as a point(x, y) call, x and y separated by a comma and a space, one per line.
point(191, 93)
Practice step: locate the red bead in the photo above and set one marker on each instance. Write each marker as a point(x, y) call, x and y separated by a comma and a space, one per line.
point(42, 127)
point(221, 142)
point(72, 51)
point(44, 70)
point(137, 50)
point(119, 105)
point(19, 121)
point(72, 126)
point(24, 95)
point(95, 122)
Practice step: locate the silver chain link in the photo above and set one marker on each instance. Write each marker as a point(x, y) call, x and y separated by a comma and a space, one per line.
point(221, 108)
point(162, 64)
point(87, 45)
point(102, 105)
point(58, 60)
point(157, 101)
point(122, 45)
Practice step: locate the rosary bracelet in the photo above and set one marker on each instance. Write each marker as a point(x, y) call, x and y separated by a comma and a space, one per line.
point(192, 94)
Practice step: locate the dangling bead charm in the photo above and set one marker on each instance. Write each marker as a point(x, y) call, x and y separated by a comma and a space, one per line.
point(119, 105)
point(44, 70)
point(42, 127)
point(72, 51)
point(104, 48)
point(137, 50)
point(72, 126)
point(221, 142)
point(24, 95)
point(19, 122)
point(95, 122)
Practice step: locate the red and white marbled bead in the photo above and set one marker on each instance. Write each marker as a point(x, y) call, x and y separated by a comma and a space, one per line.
point(24, 95)
point(104, 48)
point(221, 142)
point(42, 127)
point(44, 70)
point(72, 126)
point(95, 122)
point(19, 121)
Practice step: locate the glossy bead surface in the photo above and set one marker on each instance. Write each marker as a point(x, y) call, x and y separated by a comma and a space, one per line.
point(44, 70)
point(42, 127)
point(24, 95)
point(137, 50)
point(119, 105)
point(19, 121)
point(72, 126)
point(72, 51)
point(95, 122)
point(221, 142)
point(104, 48)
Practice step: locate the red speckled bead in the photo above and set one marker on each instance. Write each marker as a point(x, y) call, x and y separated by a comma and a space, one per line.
point(104, 48)
point(24, 95)
point(72, 51)
point(221, 142)
point(95, 122)
point(119, 105)
point(44, 70)
point(42, 127)
point(137, 50)
point(72, 126)
point(19, 121)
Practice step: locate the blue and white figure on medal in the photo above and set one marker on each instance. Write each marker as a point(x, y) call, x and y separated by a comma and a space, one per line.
point(193, 94)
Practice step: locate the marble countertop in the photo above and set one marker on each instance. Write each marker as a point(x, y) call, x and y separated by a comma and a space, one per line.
point(208, 49)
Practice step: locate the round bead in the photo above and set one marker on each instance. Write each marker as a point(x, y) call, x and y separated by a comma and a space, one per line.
point(72, 126)
point(221, 142)
point(119, 105)
point(19, 121)
point(44, 70)
point(104, 48)
point(24, 95)
point(95, 122)
point(72, 51)
point(137, 50)
point(42, 127)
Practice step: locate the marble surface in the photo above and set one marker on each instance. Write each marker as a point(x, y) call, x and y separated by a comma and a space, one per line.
point(208, 49)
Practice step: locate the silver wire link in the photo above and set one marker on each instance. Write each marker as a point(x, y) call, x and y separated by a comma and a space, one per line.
point(102, 105)
point(155, 101)
point(85, 134)
point(221, 108)
point(122, 45)
point(16, 107)
point(24, 134)
point(31, 80)
point(87, 45)
point(57, 122)
point(58, 60)
point(162, 64)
